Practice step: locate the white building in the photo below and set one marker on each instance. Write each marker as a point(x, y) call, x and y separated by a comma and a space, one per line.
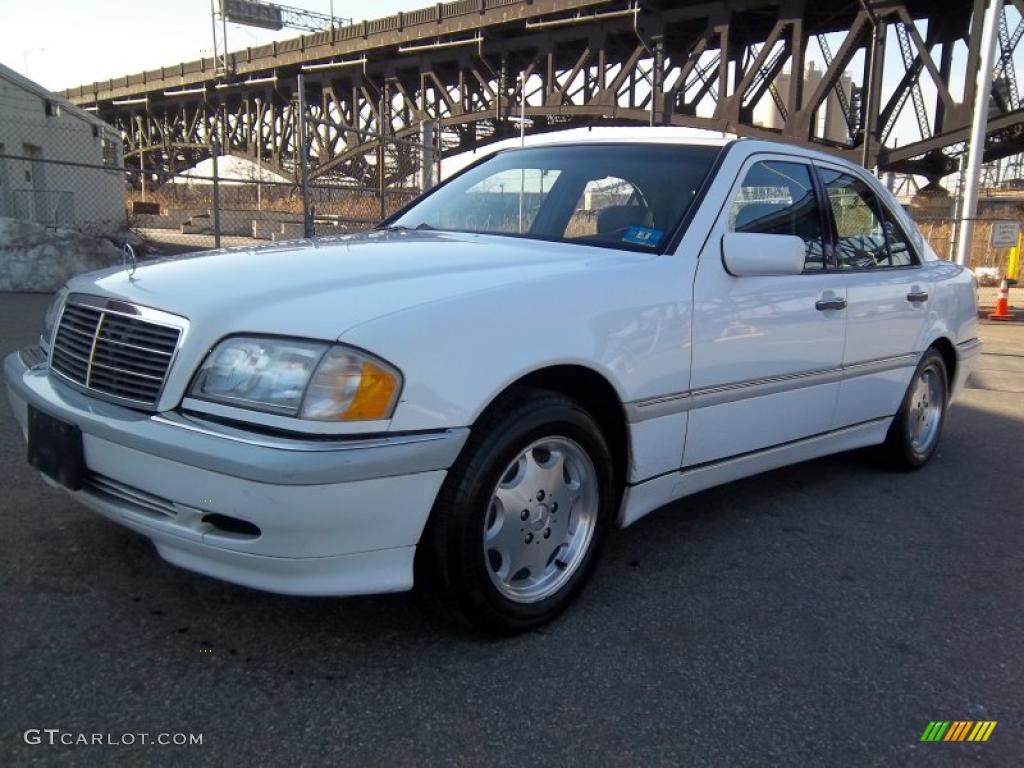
point(59, 165)
point(831, 125)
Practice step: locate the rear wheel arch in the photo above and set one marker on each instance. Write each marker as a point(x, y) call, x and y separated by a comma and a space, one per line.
point(947, 349)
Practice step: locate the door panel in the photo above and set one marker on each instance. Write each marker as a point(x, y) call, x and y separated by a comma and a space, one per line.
point(765, 359)
point(885, 289)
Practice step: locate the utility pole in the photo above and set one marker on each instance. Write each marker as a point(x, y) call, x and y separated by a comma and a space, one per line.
point(213, 24)
point(215, 148)
point(522, 143)
point(990, 30)
point(307, 213)
point(383, 125)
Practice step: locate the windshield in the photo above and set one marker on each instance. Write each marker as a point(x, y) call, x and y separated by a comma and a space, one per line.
point(623, 195)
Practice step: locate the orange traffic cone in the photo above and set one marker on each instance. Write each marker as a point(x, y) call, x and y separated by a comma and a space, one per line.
point(1003, 304)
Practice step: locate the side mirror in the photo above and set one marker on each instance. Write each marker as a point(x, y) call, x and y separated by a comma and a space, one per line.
point(749, 254)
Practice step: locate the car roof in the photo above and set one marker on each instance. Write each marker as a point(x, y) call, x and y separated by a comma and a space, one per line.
point(663, 135)
point(625, 134)
point(647, 135)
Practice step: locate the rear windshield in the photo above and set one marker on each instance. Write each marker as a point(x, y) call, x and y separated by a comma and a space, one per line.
point(629, 196)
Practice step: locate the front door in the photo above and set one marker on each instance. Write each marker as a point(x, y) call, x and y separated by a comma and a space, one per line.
point(887, 296)
point(766, 350)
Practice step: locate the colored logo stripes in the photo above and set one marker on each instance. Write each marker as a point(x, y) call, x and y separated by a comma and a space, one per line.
point(958, 730)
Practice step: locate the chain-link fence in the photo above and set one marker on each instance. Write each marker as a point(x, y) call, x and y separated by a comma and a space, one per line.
point(224, 200)
point(990, 262)
point(228, 199)
point(63, 170)
point(88, 197)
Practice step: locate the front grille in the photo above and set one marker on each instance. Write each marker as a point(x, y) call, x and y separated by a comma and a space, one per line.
point(112, 352)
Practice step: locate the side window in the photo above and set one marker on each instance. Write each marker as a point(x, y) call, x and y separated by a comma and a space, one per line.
point(867, 239)
point(608, 207)
point(900, 252)
point(777, 198)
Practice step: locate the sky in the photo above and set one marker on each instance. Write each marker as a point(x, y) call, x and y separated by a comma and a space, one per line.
point(63, 43)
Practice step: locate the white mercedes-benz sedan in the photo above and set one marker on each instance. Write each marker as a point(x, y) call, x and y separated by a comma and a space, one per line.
point(551, 344)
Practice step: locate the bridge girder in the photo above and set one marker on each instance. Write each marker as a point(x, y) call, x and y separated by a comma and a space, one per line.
point(710, 65)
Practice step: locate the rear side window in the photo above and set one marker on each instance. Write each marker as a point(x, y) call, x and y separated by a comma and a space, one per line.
point(866, 237)
point(777, 198)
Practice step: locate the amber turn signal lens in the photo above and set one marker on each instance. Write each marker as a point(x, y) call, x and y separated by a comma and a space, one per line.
point(375, 395)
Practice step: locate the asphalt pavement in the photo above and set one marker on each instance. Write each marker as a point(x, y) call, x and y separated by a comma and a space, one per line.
point(821, 614)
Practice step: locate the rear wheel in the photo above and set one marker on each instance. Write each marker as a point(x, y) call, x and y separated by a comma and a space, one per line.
point(520, 521)
point(915, 432)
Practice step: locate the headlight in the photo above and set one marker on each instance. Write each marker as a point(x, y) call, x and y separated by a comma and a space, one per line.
point(50, 318)
point(307, 379)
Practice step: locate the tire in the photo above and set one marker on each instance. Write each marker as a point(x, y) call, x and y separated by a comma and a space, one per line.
point(471, 556)
point(915, 432)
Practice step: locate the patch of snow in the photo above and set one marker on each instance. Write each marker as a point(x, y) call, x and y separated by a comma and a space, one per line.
point(41, 259)
point(230, 170)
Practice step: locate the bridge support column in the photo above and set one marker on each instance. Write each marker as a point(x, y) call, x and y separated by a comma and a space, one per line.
point(426, 155)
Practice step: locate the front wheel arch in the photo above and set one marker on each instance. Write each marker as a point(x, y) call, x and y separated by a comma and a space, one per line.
point(450, 561)
point(590, 389)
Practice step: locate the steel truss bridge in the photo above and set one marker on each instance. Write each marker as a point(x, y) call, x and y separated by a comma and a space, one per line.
point(467, 66)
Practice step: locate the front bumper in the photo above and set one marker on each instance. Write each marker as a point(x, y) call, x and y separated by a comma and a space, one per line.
point(334, 517)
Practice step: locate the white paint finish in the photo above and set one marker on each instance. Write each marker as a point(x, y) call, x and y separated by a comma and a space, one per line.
point(360, 573)
point(752, 255)
point(749, 328)
point(627, 319)
point(296, 520)
point(647, 497)
point(656, 445)
point(754, 327)
point(267, 459)
point(363, 573)
point(474, 297)
point(863, 398)
point(729, 429)
point(967, 358)
point(881, 321)
point(953, 305)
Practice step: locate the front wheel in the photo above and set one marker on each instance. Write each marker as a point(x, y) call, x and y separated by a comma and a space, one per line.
point(914, 433)
point(518, 526)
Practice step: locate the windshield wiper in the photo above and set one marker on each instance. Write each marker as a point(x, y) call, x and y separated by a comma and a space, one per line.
point(422, 227)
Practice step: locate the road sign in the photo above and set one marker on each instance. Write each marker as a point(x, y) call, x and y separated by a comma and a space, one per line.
point(252, 14)
point(1004, 234)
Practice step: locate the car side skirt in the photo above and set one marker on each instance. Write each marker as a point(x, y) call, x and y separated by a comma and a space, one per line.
point(649, 495)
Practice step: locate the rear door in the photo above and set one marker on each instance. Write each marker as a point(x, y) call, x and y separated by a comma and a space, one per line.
point(766, 349)
point(887, 298)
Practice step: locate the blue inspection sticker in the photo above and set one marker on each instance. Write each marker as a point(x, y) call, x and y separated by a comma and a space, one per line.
point(643, 236)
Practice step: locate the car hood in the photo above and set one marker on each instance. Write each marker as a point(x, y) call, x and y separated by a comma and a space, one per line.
point(321, 288)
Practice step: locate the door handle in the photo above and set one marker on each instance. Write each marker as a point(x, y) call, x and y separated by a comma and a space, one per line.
point(916, 297)
point(836, 302)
